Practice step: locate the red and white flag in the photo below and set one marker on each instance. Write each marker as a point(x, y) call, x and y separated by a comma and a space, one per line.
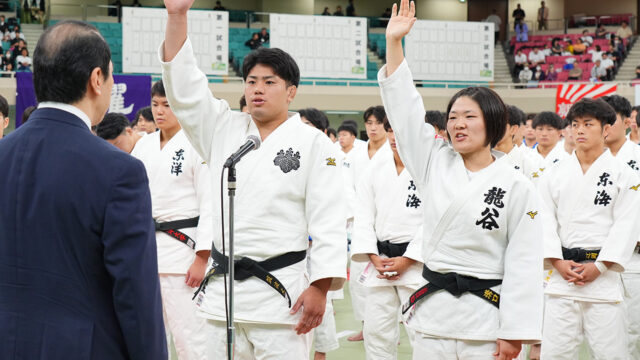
point(569, 94)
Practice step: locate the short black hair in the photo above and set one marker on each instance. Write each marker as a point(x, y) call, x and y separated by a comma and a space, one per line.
point(112, 126)
point(27, 112)
point(158, 89)
point(353, 123)
point(315, 117)
point(4, 107)
point(377, 111)
point(620, 104)
point(494, 112)
point(596, 108)
point(280, 61)
point(146, 113)
point(516, 116)
point(386, 124)
point(436, 118)
point(548, 118)
point(64, 58)
point(332, 131)
point(348, 127)
point(243, 102)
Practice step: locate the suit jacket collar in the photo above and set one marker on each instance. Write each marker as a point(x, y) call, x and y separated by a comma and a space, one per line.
point(53, 114)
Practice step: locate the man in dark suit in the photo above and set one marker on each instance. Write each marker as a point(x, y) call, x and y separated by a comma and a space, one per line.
point(78, 268)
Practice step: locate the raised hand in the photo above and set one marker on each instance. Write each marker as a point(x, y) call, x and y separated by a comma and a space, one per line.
point(401, 20)
point(178, 6)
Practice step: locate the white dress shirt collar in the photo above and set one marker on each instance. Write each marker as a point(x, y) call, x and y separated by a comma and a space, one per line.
point(68, 108)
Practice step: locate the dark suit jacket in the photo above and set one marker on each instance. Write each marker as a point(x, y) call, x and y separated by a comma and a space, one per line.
point(78, 262)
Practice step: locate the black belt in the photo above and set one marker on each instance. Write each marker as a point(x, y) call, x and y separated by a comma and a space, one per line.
point(246, 268)
point(456, 285)
point(579, 254)
point(392, 250)
point(171, 228)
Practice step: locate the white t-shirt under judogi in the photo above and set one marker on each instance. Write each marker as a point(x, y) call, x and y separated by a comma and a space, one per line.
point(593, 210)
point(179, 181)
point(484, 225)
point(389, 209)
point(288, 190)
point(629, 154)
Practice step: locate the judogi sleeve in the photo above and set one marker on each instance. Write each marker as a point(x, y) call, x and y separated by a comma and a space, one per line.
point(414, 249)
point(364, 239)
point(549, 216)
point(187, 88)
point(325, 216)
point(202, 184)
point(131, 259)
point(622, 238)
point(522, 292)
point(405, 110)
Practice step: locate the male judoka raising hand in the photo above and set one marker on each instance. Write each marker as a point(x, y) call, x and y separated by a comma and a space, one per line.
point(288, 189)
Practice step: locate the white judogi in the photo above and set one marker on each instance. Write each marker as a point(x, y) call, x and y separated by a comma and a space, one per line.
point(287, 190)
point(359, 163)
point(541, 164)
point(481, 224)
point(389, 209)
point(179, 182)
point(592, 210)
point(521, 161)
point(629, 154)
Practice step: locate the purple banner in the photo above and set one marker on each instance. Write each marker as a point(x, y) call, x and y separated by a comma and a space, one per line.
point(129, 94)
point(25, 94)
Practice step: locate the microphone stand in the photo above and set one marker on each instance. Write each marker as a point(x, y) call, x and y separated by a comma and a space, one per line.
point(231, 181)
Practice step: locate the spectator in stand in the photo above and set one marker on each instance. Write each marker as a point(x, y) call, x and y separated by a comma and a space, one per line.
point(525, 74)
point(254, 42)
point(598, 72)
point(338, 11)
point(263, 35)
point(520, 61)
point(351, 10)
point(136, 3)
point(3, 25)
point(575, 73)
point(219, 6)
point(596, 54)
point(543, 17)
point(601, 32)
point(8, 61)
point(579, 47)
point(586, 38)
point(495, 19)
point(538, 75)
point(326, 11)
point(24, 61)
point(608, 64)
point(617, 48)
point(569, 47)
point(550, 74)
point(386, 15)
point(547, 50)
point(536, 57)
point(638, 72)
point(624, 31)
point(518, 15)
point(522, 31)
point(556, 47)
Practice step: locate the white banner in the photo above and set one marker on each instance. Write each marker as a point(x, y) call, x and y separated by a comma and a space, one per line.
point(143, 31)
point(450, 50)
point(637, 87)
point(323, 46)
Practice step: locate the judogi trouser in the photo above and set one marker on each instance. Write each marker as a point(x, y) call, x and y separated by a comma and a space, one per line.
point(325, 338)
point(180, 318)
point(357, 290)
point(435, 348)
point(255, 341)
point(632, 304)
point(603, 324)
point(382, 315)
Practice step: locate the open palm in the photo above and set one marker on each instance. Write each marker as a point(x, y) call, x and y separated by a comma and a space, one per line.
point(178, 6)
point(401, 20)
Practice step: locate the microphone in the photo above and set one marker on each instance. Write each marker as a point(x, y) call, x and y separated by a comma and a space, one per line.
point(253, 143)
